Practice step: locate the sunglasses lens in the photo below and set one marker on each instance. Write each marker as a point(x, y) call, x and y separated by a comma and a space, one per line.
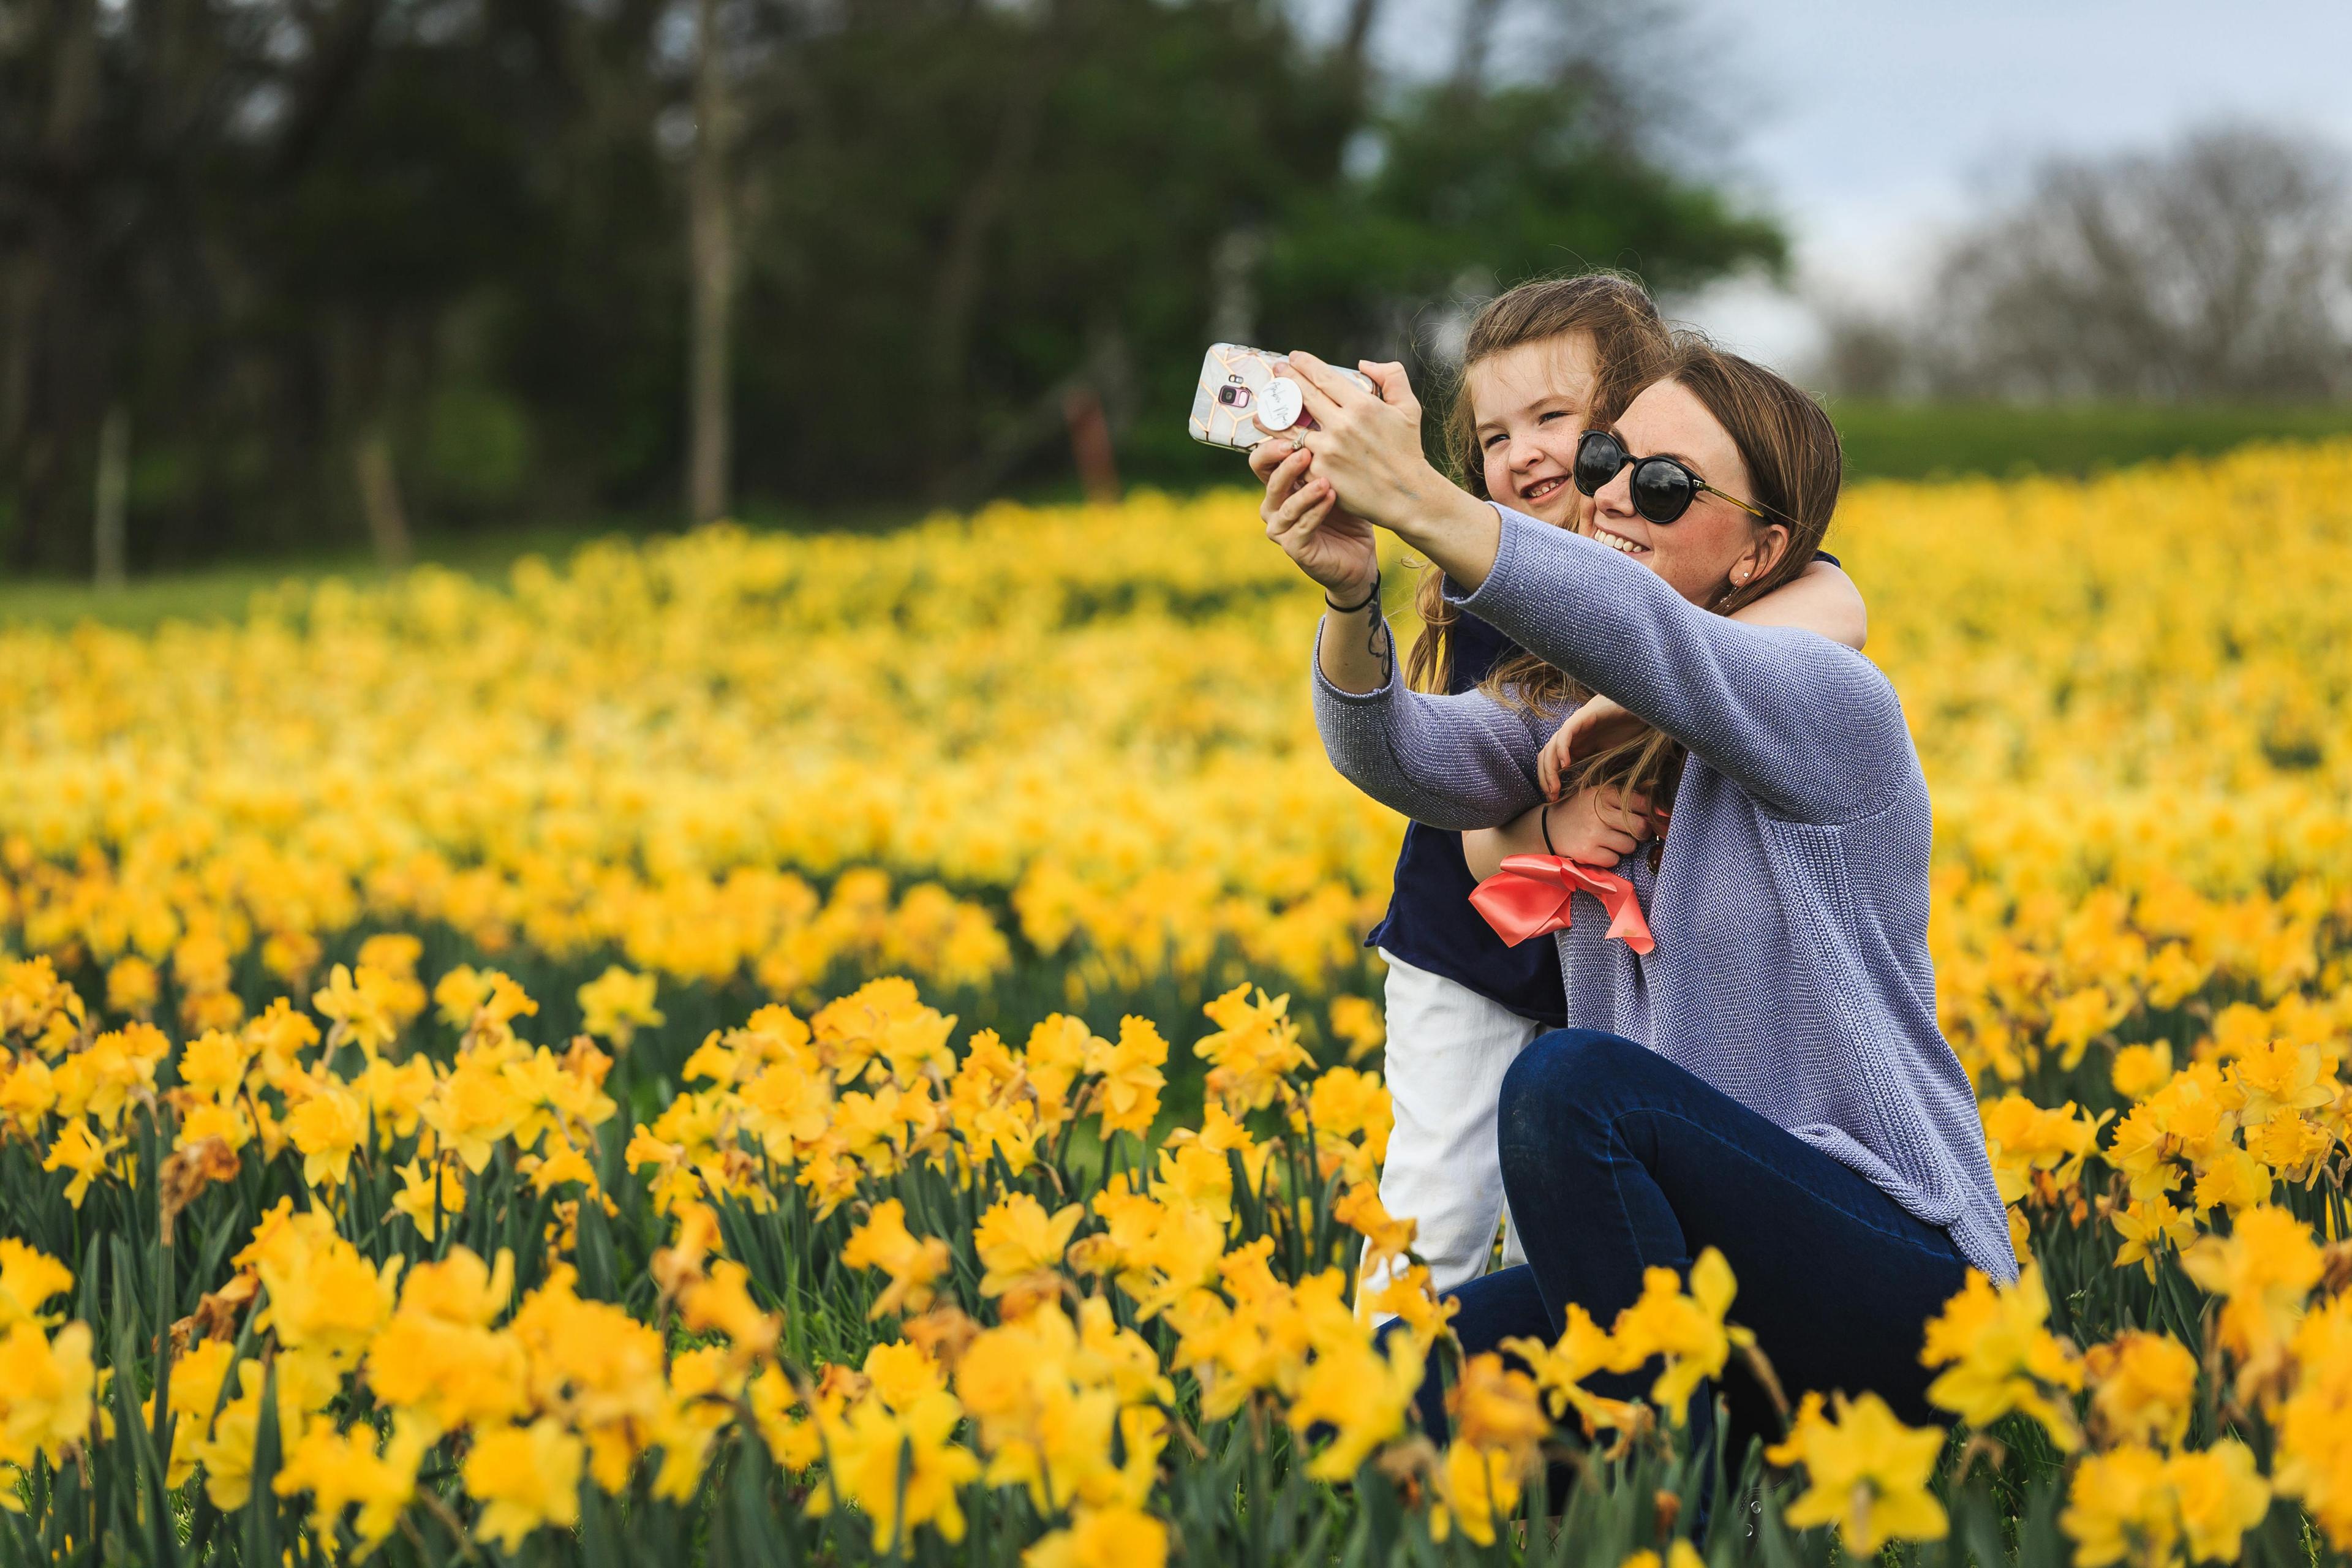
point(1663, 491)
point(1598, 459)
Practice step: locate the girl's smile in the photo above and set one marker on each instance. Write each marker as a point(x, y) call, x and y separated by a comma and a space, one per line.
point(1530, 404)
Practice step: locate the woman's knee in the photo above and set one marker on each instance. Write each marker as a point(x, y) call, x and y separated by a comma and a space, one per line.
point(1568, 1069)
point(1567, 1090)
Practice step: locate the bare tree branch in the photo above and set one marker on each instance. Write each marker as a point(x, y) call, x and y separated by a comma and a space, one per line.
point(2219, 268)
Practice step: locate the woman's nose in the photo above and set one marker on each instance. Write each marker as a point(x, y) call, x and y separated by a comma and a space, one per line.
point(1616, 497)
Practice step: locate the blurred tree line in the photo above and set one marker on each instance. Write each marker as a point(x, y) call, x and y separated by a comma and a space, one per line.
point(281, 271)
point(2215, 270)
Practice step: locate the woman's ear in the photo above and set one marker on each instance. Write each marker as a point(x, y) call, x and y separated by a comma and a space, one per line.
point(1762, 555)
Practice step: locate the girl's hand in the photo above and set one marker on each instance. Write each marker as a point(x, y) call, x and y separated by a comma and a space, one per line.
point(1366, 445)
point(1332, 546)
point(1596, 726)
point(1600, 827)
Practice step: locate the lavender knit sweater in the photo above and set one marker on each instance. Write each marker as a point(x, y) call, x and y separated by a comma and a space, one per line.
point(1790, 907)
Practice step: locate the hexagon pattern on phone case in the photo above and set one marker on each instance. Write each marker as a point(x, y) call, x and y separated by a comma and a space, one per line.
point(1233, 383)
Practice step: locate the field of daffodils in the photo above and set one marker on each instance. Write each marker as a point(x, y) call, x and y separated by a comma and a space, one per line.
point(748, 1049)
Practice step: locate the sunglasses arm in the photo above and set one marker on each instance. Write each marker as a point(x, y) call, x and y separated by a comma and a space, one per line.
point(1757, 512)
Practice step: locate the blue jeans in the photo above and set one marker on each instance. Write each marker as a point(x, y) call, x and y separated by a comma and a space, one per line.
point(1615, 1161)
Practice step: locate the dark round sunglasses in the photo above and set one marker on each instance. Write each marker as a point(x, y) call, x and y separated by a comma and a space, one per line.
point(1663, 488)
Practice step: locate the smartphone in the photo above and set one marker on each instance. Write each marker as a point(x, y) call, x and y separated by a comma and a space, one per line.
point(1239, 390)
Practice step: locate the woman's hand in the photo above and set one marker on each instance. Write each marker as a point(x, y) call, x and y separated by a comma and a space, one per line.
point(1596, 726)
point(1367, 443)
point(1333, 546)
point(1367, 448)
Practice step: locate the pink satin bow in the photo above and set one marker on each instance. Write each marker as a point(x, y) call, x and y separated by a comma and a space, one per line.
point(1531, 894)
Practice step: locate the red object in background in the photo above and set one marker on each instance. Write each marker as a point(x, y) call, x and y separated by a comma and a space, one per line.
point(1090, 444)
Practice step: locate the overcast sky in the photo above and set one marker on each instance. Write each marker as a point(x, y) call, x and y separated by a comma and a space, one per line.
point(1874, 123)
point(1866, 126)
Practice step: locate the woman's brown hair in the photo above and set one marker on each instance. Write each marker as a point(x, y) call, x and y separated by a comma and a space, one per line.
point(1794, 469)
point(1629, 349)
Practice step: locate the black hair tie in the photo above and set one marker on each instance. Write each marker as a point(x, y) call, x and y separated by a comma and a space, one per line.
point(1371, 598)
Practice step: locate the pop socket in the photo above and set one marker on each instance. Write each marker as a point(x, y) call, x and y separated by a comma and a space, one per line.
point(1279, 404)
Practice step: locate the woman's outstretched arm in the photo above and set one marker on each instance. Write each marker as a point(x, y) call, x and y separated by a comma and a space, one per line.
point(1801, 722)
point(1456, 762)
point(1822, 599)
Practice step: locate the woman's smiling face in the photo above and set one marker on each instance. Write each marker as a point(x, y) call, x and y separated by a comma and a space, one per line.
point(1529, 404)
point(1713, 544)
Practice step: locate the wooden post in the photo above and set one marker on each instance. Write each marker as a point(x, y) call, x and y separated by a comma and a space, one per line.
point(110, 540)
point(710, 250)
point(1090, 444)
point(379, 485)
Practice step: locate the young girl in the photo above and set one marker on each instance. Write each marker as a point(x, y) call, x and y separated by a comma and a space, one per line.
point(1542, 360)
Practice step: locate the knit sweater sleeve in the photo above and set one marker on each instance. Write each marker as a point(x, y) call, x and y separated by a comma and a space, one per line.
point(1809, 727)
point(1456, 762)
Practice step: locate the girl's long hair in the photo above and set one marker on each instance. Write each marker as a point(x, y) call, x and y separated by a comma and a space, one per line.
point(1794, 469)
point(1631, 348)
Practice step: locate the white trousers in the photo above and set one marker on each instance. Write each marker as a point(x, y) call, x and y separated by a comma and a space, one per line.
point(1448, 1047)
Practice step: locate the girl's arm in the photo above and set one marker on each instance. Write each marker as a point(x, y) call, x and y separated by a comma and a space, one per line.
point(1822, 599)
point(1590, 828)
point(1483, 850)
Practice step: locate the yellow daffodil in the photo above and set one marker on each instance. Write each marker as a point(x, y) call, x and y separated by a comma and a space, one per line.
point(1866, 1473)
point(1477, 1488)
point(1130, 1075)
point(1685, 1327)
point(362, 1006)
point(1256, 1043)
point(48, 1392)
point(327, 1127)
point(1999, 1356)
point(2149, 1227)
point(2133, 1505)
point(1021, 1245)
point(525, 1478)
point(28, 1278)
point(617, 1004)
point(2263, 1270)
point(903, 1470)
point(914, 1264)
point(2143, 1387)
point(343, 1470)
point(79, 1150)
point(1114, 1537)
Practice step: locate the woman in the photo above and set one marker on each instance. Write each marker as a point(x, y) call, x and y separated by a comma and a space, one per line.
point(1542, 360)
point(1770, 1080)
